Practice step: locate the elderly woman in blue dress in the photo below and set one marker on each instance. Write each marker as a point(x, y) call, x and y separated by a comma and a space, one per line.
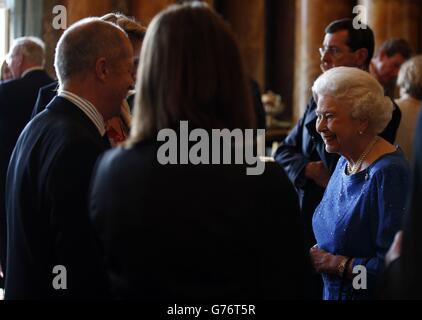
point(364, 202)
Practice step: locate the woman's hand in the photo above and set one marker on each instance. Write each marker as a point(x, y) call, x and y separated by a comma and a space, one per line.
point(325, 262)
point(395, 250)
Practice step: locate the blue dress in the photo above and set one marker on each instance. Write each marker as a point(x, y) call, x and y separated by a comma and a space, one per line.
point(359, 216)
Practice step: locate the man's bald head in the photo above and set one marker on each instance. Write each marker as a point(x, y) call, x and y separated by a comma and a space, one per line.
point(84, 43)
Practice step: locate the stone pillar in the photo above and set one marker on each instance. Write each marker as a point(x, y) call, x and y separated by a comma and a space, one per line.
point(248, 21)
point(312, 16)
point(395, 19)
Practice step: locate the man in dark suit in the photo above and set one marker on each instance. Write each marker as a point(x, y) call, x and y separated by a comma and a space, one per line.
point(52, 252)
point(17, 99)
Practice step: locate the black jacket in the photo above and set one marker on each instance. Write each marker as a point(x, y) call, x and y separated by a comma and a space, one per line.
point(197, 232)
point(45, 96)
point(46, 202)
point(403, 278)
point(17, 99)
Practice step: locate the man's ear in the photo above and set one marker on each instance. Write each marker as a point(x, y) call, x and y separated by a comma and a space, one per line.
point(101, 68)
point(18, 59)
point(361, 56)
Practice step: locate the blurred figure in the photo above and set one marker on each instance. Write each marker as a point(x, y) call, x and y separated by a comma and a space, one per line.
point(410, 102)
point(50, 169)
point(402, 279)
point(387, 61)
point(194, 235)
point(364, 201)
point(118, 127)
point(6, 74)
point(17, 97)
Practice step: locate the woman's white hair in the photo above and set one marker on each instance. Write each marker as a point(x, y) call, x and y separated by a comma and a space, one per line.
point(410, 77)
point(358, 90)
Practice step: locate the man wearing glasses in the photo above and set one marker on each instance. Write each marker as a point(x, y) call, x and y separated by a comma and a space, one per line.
point(302, 154)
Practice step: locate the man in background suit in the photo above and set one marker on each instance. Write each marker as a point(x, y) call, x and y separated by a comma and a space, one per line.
point(17, 98)
point(50, 169)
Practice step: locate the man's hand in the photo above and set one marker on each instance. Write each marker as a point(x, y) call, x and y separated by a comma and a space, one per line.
point(395, 250)
point(317, 172)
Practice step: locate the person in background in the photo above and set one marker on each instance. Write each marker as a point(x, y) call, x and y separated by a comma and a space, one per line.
point(50, 169)
point(194, 235)
point(118, 127)
point(365, 200)
point(25, 61)
point(410, 102)
point(402, 278)
point(387, 61)
point(6, 74)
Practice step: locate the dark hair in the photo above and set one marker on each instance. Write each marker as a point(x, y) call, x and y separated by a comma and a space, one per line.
point(190, 69)
point(357, 38)
point(396, 45)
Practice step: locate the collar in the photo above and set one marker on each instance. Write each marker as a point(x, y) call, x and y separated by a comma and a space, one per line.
point(87, 107)
point(30, 70)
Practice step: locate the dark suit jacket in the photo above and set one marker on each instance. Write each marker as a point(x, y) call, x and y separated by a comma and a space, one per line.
point(403, 278)
point(46, 202)
point(197, 232)
point(45, 96)
point(303, 145)
point(17, 99)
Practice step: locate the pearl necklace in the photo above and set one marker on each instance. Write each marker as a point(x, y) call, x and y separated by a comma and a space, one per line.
point(352, 169)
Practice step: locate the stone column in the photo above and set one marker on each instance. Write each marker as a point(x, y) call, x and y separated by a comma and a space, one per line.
point(248, 21)
point(312, 16)
point(395, 19)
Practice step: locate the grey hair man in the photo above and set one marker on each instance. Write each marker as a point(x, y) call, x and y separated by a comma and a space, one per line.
point(25, 55)
point(52, 249)
point(387, 61)
point(17, 98)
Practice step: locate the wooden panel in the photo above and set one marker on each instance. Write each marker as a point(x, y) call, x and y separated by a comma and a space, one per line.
point(145, 10)
point(280, 51)
point(395, 18)
point(247, 19)
point(79, 9)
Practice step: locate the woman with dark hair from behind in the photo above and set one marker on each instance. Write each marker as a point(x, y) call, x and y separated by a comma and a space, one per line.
point(189, 231)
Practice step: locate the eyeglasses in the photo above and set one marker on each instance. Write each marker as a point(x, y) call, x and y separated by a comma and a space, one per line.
point(333, 51)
